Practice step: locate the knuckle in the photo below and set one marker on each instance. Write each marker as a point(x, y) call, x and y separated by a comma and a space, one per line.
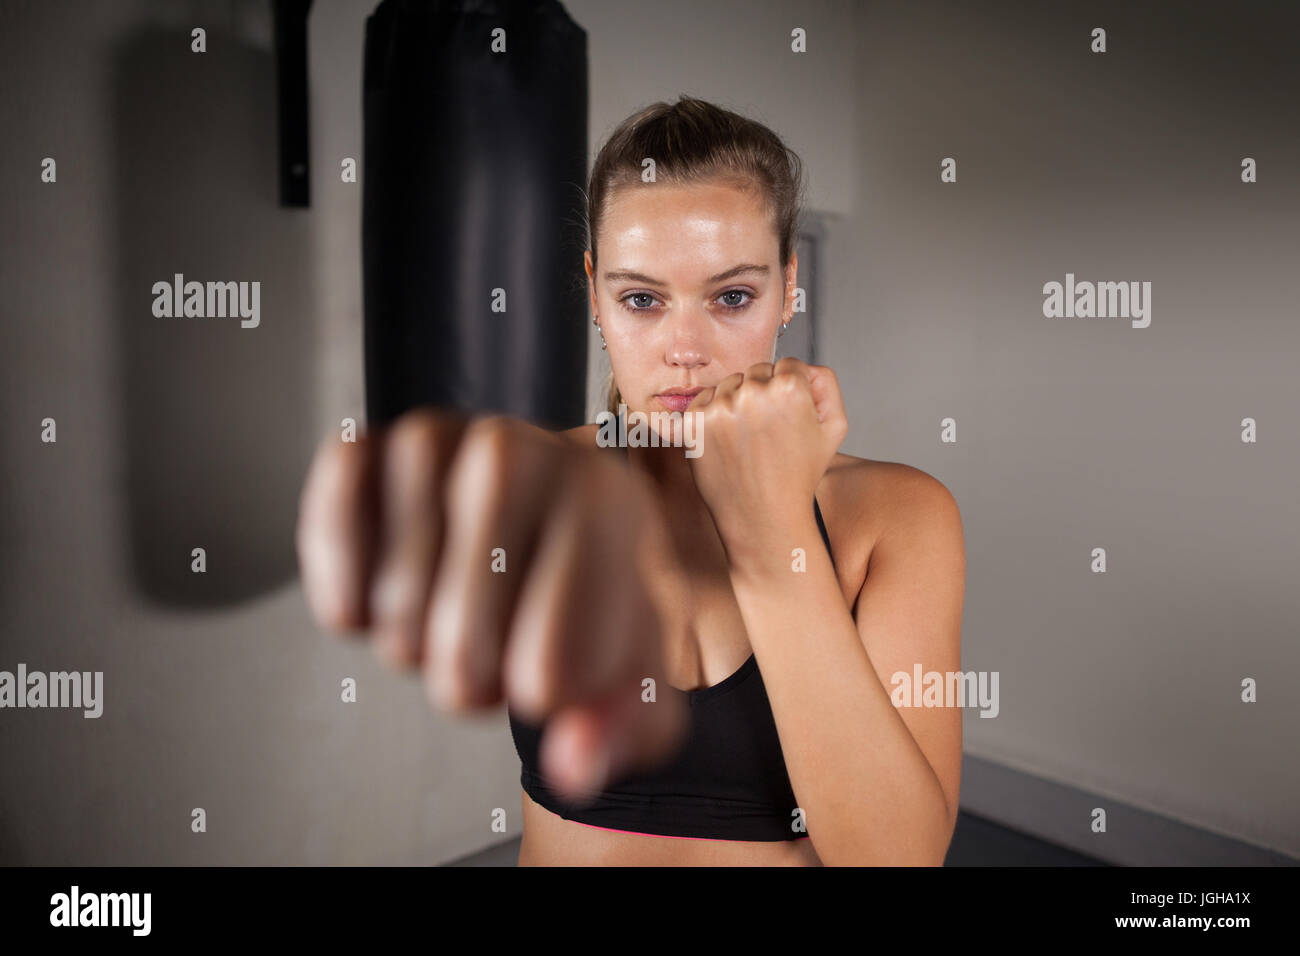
point(789, 383)
point(460, 651)
point(325, 533)
point(336, 469)
point(411, 447)
point(485, 461)
point(397, 589)
point(493, 435)
point(531, 674)
point(449, 675)
point(446, 631)
point(752, 391)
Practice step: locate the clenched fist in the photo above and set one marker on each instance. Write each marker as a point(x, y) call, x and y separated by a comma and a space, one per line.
point(768, 435)
point(506, 563)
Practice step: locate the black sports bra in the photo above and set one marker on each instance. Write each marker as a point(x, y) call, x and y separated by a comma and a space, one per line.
point(728, 781)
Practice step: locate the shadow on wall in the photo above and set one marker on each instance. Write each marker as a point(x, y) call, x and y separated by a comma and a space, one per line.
point(215, 414)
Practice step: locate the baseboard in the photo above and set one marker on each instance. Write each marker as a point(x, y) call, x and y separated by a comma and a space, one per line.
point(1060, 814)
point(504, 853)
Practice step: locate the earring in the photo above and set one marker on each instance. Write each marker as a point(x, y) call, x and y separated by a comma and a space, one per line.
point(781, 332)
point(602, 334)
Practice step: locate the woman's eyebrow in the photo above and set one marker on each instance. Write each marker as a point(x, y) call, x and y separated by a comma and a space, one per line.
point(626, 275)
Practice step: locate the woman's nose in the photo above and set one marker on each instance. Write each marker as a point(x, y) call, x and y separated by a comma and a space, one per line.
point(687, 341)
point(687, 358)
point(687, 353)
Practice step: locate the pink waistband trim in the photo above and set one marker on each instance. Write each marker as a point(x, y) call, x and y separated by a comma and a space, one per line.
point(665, 836)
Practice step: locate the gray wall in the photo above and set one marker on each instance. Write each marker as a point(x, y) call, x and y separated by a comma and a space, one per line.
point(1073, 434)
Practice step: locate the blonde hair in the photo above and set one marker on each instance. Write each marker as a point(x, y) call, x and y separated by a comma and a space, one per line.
point(694, 141)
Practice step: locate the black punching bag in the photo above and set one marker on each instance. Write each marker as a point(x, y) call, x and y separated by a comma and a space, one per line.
point(472, 186)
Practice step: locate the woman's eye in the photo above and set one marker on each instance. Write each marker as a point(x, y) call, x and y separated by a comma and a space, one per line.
point(732, 300)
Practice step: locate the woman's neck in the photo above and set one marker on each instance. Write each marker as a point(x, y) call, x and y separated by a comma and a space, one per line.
point(689, 521)
point(668, 467)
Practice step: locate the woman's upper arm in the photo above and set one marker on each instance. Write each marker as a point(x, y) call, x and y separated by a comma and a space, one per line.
point(909, 611)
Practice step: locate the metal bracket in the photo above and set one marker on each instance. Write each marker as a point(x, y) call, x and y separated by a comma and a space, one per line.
point(290, 19)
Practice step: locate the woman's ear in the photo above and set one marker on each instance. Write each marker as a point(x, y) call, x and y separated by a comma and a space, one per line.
point(791, 285)
point(589, 264)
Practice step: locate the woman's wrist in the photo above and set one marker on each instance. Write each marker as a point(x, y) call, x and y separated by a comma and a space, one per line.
point(767, 551)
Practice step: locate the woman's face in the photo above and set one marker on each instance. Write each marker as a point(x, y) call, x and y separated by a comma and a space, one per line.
point(689, 290)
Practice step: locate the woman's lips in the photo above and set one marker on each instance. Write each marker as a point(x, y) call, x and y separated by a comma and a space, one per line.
point(677, 401)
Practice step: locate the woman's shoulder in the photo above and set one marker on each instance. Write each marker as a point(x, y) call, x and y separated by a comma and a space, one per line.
point(862, 498)
point(583, 436)
point(881, 485)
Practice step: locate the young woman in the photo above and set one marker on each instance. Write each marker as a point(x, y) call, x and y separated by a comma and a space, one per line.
point(697, 651)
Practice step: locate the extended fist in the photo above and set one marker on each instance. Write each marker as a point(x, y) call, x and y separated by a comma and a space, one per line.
point(505, 563)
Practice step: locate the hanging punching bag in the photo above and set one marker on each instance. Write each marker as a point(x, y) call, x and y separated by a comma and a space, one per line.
point(475, 160)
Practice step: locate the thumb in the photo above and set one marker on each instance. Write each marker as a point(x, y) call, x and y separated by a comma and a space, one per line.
point(825, 390)
point(828, 401)
point(702, 398)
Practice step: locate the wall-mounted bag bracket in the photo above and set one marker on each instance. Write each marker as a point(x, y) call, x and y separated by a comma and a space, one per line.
point(290, 19)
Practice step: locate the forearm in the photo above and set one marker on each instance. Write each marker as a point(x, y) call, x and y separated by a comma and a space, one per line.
point(867, 791)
